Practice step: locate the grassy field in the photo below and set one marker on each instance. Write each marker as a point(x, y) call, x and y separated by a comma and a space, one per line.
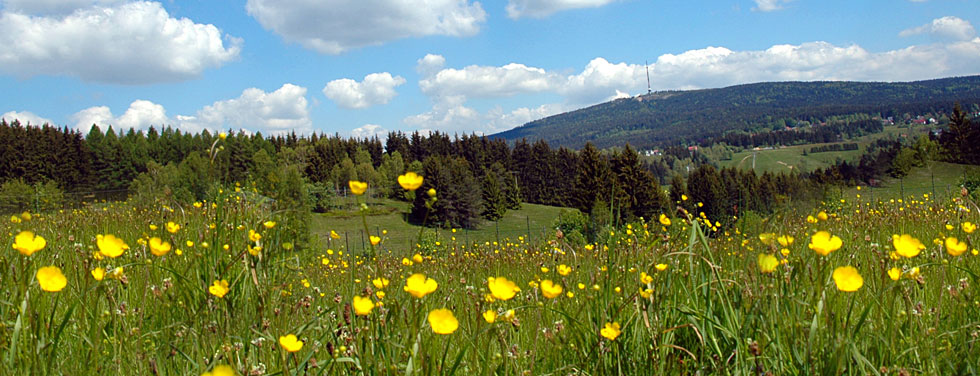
point(532, 219)
point(235, 294)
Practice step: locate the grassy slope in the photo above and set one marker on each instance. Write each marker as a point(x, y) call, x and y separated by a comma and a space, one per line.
point(402, 235)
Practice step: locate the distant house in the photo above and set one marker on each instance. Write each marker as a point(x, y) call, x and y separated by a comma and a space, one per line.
point(692, 148)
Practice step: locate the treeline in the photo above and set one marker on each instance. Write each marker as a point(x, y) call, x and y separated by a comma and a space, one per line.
point(812, 134)
point(724, 194)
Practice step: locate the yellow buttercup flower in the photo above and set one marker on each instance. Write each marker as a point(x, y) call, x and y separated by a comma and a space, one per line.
point(611, 331)
point(334, 235)
point(549, 289)
point(223, 135)
point(410, 181)
point(172, 227)
point(955, 247)
point(767, 237)
point(269, 224)
point(645, 278)
point(822, 216)
point(785, 240)
point(661, 267)
point(907, 246)
point(894, 273)
point(442, 321)
point(968, 227)
point(98, 273)
point(362, 305)
point(501, 288)
point(290, 343)
point(27, 243)
point(417, 258)
point(380, 283)
point(110, 246)
point(51, 279)
point(767, 263)
point(219, 288)
point(418, 285)
point(254, 236)
point(823, 243)
point(490, 316)
point(564, 270)
point(431, 192)
point(374, 240)
point(254, 251)
point(848, 279)
point(153, 227)
point(220, 370)
point(357, 187)
point(159, 247)
point(664, 220)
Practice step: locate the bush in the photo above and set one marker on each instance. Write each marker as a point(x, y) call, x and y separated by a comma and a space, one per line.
point(18, 196)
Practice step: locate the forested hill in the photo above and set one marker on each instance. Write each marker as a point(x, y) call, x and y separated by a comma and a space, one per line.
point(678, 117)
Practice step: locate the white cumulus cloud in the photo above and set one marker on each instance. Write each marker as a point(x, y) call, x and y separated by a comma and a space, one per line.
point(127, 43)
point(52, 7)
point(282, 111)
point(543, 8)
point(25, 117)
point(769, 5)
point(375, 89)
point(370, 131)
point(488, 81)
point(335, 26)
point(946, 27)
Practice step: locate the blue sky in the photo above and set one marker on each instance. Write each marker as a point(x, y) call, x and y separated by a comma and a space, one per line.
point(363, 67)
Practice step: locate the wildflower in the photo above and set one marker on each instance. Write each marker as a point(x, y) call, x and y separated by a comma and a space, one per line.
point(223, 135)
point(153, 227)
point(189, 244)
point(683, 197)
point(664, 220)
point(27, 243)
point(110, 246)
point(442, 321)
point(290, 343)
point(785, 240)
point(357, 187)
point(410, 181)
point(159, 247)
point(490, 316)
point(334, 234)
point(907, 246)
point(380, 283)
point(847, 279)
point(767, 263)
point(822, 215)
point(220, 370)
point(645, 278)
point(766, 238)
point(172, 227)
point(254, 251)
point(51, 279)
point(501, 288)
point(431, 192)
point(25, 216)
point(549, 289)
point(811, 219)
point(374, 240)
point(254, 236)
point(509, 315)
point(661, 267)
point(418, 285)
point(914, 273)
point(955, 247)
point(98, 273)
point(968, 227)
point(362, 305)
point(564, 270)
point(219, 288)
point(269, 224)
point(417, 258)
point(611, 331)
point(117, 273)
point(823, 243)
point(894, 273)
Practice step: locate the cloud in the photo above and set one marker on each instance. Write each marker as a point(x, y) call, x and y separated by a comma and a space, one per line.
point(710, 67)
point(25, 117)
point(369, 131)
point(52, 7)
point(769, 5)
point(950, 27)
point(375, 89)
point(487, 81)
point(282, 111)
point(335, 26)
point(543, 8)
point(128, 43)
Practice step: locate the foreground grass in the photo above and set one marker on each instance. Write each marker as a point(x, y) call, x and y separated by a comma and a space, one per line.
point(686, 299)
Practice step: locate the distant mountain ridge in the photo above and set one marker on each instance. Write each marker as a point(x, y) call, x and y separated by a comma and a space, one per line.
point(678, 117)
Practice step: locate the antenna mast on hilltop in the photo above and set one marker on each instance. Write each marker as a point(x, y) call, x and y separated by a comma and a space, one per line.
point(647, 65)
